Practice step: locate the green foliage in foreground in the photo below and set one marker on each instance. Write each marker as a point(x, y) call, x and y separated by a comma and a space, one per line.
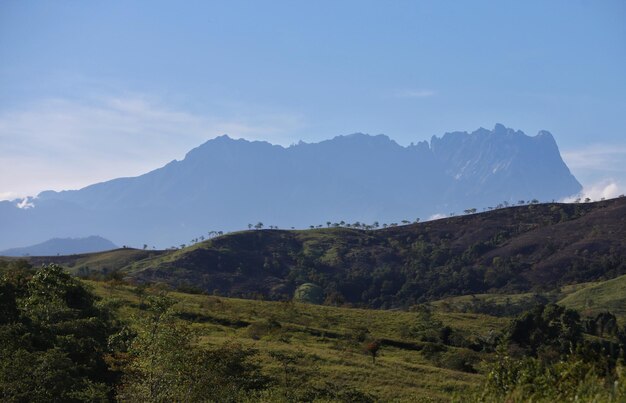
point(533, 380)
point(545, 357)
point(60, 342)
point(53, 339)
point(166, 365)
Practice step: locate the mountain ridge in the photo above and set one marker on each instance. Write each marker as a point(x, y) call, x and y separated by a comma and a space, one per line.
point(226, 183)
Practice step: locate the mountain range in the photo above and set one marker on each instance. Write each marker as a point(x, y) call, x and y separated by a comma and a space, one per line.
point(226, 184)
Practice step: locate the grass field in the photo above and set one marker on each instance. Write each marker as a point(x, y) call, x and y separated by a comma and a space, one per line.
point(328, 342)
point(593, 298)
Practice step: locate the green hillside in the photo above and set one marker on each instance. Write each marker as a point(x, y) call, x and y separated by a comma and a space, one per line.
point(97, 263)
point(530, 248)
point(330, 340)
point(599, 297)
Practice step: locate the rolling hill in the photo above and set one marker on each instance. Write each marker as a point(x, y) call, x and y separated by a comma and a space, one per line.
point(535, 247)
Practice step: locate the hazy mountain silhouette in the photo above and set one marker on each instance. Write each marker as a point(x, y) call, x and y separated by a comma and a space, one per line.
point(225, 184)
point(63, 246)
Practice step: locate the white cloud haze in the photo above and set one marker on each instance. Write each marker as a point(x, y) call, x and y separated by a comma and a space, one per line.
point(605, 157)
point(64, 144)
point(606, 189)
point(601, 168)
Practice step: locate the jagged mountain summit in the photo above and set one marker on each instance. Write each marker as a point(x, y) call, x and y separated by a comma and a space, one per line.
point(224, 184)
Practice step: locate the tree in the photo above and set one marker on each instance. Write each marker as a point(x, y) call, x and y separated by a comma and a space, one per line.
point(258, 225)
point(53, 337)
point(159, 352)
point(167, 365)
point(372, 348)
point(309, 293)
point(547, 328)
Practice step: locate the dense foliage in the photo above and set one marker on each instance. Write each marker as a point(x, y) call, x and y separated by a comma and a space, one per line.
point(548, 355)
point(165, 363)
point(59, 343)
point(53, 339)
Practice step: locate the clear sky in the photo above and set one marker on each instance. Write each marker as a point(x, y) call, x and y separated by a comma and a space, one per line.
point(90, 91)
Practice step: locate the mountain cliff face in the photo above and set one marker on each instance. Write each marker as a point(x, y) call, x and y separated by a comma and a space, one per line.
point(225, 184)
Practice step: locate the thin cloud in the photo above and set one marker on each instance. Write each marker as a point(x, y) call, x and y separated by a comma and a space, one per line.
point(65, 144)
point(597, 157)
point(7, 196)
point(415, 93)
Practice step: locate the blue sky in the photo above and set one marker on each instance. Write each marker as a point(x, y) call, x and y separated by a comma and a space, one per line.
point(95, 90)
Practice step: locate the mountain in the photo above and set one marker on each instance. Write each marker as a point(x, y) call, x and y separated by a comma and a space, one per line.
point(62, 246)
point(225, 184)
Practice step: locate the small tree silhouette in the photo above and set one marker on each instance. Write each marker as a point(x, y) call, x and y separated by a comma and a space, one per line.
point(372, 347)
point(287, 361)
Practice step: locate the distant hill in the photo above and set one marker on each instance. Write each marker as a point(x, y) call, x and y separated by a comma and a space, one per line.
point(225, 184)
point(63, 246)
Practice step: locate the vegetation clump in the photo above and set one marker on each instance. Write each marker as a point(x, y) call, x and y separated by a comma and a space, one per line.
point(546, 356)
point(53, 338)
point(309, 293)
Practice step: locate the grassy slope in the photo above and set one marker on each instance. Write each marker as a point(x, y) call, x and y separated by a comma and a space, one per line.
point(108, 261)
point(323, 334)
point(594, 298)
